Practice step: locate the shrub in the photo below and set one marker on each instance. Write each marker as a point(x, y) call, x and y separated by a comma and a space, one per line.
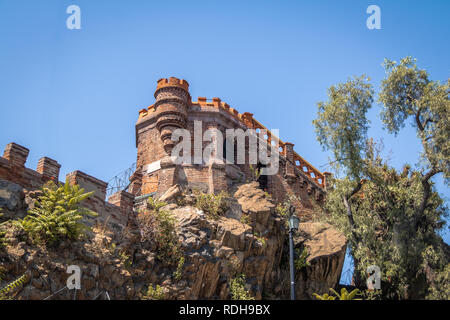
point(245, 218)
point(155, 204)
point(57, 214)
point(179, 272)
point(255, 173)
point(282, 209)
point(157, 293)
point(237, 289)
point(159, 226)
point(301, 261)
point(125, 259)
point(213, 205)
point(2, 238)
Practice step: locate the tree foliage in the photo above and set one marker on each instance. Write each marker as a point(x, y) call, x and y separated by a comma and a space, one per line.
point(407, 92)
point(391, 218)
point(342, 125)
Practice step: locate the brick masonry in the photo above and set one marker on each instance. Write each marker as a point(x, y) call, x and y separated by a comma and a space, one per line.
point(12, 168)
point(174, 109)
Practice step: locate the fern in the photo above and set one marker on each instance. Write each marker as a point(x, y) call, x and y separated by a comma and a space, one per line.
point(344, 295)
point(57, 214)
point(5, 291)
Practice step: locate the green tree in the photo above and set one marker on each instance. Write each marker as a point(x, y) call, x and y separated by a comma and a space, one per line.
point(391, 218)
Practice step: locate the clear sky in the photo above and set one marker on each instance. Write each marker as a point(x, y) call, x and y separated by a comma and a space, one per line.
point(74, 95)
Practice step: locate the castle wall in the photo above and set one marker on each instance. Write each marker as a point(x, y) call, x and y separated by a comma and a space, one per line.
point(12, 168)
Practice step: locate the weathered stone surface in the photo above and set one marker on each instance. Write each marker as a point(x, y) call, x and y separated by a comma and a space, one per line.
point(11, 196)
point(326, 247)
point(171, 194)
point(214, 250)
point(253, 199)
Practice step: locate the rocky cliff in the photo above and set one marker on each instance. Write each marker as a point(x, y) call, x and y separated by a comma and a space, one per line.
point(250, 239)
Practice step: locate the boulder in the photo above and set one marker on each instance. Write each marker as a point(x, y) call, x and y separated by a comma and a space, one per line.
point(171, 194)
point(326, 247)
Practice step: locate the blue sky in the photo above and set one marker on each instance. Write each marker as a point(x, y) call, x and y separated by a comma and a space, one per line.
point(74, 95)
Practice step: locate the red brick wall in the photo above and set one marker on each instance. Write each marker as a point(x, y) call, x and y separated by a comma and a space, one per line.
point(12, 168)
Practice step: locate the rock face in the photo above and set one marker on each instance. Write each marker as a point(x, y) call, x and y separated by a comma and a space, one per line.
point(12, 200)
point(249, 239)
point(326, 248)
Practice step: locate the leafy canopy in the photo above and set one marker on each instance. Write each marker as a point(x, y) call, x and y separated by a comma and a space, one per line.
point(407, 92)
point(342, 125)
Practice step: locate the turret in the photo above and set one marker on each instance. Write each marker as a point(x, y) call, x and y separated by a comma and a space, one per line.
point(172, 101)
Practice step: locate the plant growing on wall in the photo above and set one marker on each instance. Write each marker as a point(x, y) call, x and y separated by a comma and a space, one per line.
point(57, 214)
point(179, 272)
point(255, 173)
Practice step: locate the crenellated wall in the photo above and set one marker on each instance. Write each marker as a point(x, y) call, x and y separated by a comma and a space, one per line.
point(12, 168)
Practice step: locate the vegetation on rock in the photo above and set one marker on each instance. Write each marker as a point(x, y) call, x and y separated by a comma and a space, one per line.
point(237, 289)
point(301, 261)
point(213, 205)
point(159, 226)
point(155, 293)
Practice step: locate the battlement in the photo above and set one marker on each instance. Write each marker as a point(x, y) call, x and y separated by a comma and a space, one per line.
point(12, 168)
point(219, 104)
point(172, 82)
point(250, 122)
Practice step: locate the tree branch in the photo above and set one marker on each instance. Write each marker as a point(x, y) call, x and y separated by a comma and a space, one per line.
point(419, 123)
point(348, 208)
point(426, 192)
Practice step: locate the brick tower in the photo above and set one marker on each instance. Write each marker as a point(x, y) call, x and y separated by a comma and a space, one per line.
point(172, 101)
point(154, 129)
point(173, 109)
